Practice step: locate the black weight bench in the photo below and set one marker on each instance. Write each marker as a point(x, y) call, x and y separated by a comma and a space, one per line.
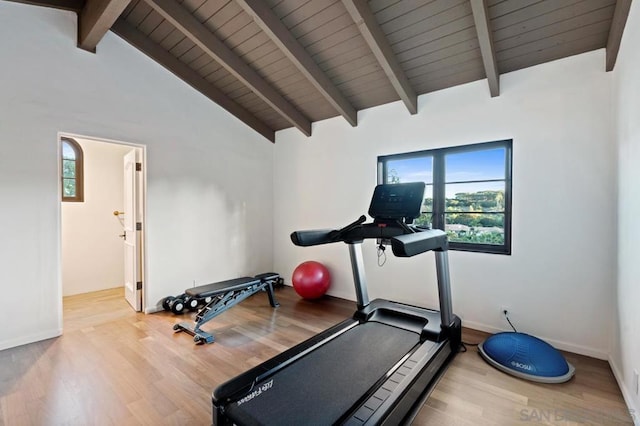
point(225, 294)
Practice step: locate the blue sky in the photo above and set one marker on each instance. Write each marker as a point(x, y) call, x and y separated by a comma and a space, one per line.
point(479, 165)
point(413, 169)
point(67, 152)
point(469, 166)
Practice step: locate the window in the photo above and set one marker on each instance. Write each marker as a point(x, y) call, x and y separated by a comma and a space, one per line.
point(468, 192)
point(72, 171)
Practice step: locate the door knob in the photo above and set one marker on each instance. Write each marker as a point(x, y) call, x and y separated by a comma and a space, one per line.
point(123, 235)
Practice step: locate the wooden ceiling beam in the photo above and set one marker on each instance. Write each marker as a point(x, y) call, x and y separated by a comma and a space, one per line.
point(487, 50)
point(620, 14)
point(379, 45)
point(95, 19)
point(189, 25)
point(189, 76)
point(72, 5)
point(282, 37)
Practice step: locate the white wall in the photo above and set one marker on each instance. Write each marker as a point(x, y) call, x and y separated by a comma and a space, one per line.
point(626, 102)
point(92, 252)
point(561, 273)
point(209, 194)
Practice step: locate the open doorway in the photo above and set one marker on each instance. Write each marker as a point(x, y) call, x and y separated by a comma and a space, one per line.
point(102, 186)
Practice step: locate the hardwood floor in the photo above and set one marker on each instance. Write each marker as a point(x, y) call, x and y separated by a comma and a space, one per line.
point(113, 366)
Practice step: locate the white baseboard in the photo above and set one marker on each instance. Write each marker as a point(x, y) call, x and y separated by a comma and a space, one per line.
point(565, 346)
point(31, 338)
point(626, 393)
point(153, 309)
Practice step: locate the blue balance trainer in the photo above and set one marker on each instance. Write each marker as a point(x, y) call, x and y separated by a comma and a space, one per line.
point(526, 357)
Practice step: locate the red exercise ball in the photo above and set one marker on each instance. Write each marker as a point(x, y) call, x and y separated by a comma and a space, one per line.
point(311, 279)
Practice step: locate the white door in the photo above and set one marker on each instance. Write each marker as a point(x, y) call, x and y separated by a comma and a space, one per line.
point(132, 291)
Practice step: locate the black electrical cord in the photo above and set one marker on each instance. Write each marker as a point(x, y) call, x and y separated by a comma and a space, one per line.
point(506, 315)
point(381, 255)
point(463, 346)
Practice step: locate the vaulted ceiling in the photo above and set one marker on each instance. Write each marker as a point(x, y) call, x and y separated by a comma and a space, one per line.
point(276, 64)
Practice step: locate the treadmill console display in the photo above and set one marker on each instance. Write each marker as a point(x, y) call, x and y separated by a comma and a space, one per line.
point(397, 201)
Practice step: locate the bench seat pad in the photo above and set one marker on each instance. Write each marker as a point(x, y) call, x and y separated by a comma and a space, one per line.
point(221, 287)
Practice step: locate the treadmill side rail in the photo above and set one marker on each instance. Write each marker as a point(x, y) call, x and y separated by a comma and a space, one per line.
point(400, 392)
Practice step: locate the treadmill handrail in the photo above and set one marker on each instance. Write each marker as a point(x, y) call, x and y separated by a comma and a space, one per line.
point(405, 241)
point(313, 237)
point(324, 236)
point(408, 245)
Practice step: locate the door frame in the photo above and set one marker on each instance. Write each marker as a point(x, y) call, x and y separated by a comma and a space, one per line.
point(142, 196)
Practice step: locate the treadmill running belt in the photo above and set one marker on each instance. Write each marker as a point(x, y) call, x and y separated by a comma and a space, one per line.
point(320, 387)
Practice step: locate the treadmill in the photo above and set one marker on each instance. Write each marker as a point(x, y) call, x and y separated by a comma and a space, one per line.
point(377, 367)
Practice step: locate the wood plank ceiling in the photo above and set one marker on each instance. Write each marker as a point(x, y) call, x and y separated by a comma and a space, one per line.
point(276, 64)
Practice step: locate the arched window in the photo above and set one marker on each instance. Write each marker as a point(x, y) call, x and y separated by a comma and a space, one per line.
point(72, 171)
